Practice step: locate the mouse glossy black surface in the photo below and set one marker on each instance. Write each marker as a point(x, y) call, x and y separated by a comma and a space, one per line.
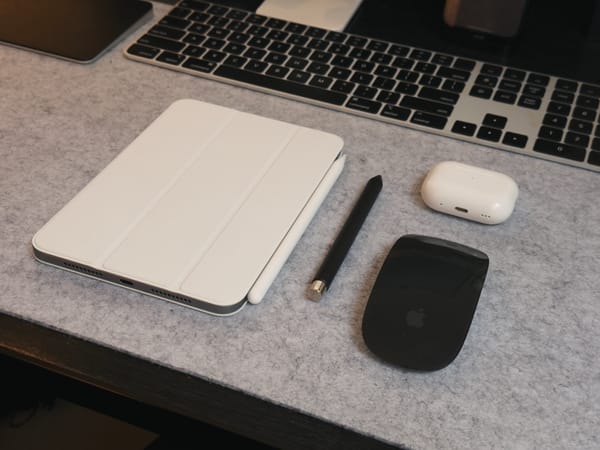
point(423, 301)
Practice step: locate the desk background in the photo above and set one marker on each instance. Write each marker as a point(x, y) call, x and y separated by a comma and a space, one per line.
point(529, 373)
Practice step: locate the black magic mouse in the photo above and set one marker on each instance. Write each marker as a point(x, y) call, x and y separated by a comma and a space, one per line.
point(423, 301)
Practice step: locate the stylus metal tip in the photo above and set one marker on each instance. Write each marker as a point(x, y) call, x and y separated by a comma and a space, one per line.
point(316, 290)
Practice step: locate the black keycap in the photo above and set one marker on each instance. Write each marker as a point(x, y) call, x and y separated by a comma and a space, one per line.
point(505, 97)
point(559, 108)
point(560, 150)
point(440, 109)
point(481, 92)
point(171, 58)
point(406, 88)
point(491, 69)
point(167, 32)
point(527, 101)
point(514, 139)
point(192, 50)
point(429, 120)
point(596, 144)
point(343, 86)
point(158, 42)
point(395, 112)
point(464, 128)
point(555, 121)
point(494, 121)
point(465, 64)
point(564, 97)
point(321, 81)
point(584, 114)
point(276, 71)
point(510, 85)
point(553, 134)
point(594, 158)
point(486, 80)
point(587, 102)
point(365, 92)
point(489, 134)
point(579, 140)
point(454, 86)
point(514, 74)
point(260, 80)
point(362, 104)
point(174, 22)
point(444, 60)
point(299, 76)
point(199, 65)
point(438, 95)
point(143, 51)
point(540, 80)
point(581, 126)
point(590, 90)
point(388, 97)
point(566, 85)
point(533, 90)
point(454, 74)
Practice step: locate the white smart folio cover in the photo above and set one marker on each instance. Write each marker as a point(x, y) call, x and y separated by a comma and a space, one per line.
point(196, 207)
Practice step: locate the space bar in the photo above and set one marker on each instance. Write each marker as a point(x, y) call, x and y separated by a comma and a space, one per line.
point(277, 84)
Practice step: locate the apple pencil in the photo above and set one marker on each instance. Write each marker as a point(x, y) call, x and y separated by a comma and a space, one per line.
point(281, 254)
point(344, 240)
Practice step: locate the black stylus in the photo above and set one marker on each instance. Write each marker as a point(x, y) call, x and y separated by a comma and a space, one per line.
point(344, 240)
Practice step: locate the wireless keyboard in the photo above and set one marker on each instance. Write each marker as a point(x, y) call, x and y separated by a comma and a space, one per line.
point(502, 107)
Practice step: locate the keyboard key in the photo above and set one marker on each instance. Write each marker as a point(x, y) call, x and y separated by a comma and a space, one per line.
point(581, 126)
point(596, 144)
point(587, 102)
point(584, 114)
point(559, 108)
point(566, 85)
point(579, 140)
point(481, 92)
point(491, 69)
point(465, 64)
point(553, 134)
point(494, 121)
point(510, 85)
point(563, 97)
point(594, 158)
point(171, 58)
point(143, 51)
point(489, 134)
point(527, 101)
point(540, 80)
point(388, 97)
point(438, 95)
point(555, 121)
point(486, 80)
point(454, 86)
point(166, 32)
point(514, 140)
point(505, 97)
point(199, 65)
point(429, 120)
point(514, 74)
point(395, 112)
point(256, 79)
point(426, 105)
point(362, 104)
point(158, 42)
point(321, 81)
point(464, 128)
point(533, 90)
point(343, 86)
point(560, 150)
point(590, 90)
point(454, 74)
point(278, 71)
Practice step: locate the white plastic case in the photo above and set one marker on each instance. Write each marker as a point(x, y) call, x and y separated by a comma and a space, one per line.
point(470, 192)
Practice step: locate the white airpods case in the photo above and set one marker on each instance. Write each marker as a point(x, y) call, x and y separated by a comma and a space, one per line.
point(470, 192)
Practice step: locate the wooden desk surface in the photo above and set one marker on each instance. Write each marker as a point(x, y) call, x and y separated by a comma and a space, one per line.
point(527, 377)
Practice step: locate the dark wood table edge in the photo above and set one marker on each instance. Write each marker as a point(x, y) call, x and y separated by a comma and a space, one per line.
point(173, 396)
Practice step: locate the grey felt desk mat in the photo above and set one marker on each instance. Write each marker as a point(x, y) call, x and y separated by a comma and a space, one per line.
point(529, 373)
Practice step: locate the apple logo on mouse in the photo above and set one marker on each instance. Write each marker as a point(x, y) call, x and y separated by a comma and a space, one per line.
point(415, 318)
